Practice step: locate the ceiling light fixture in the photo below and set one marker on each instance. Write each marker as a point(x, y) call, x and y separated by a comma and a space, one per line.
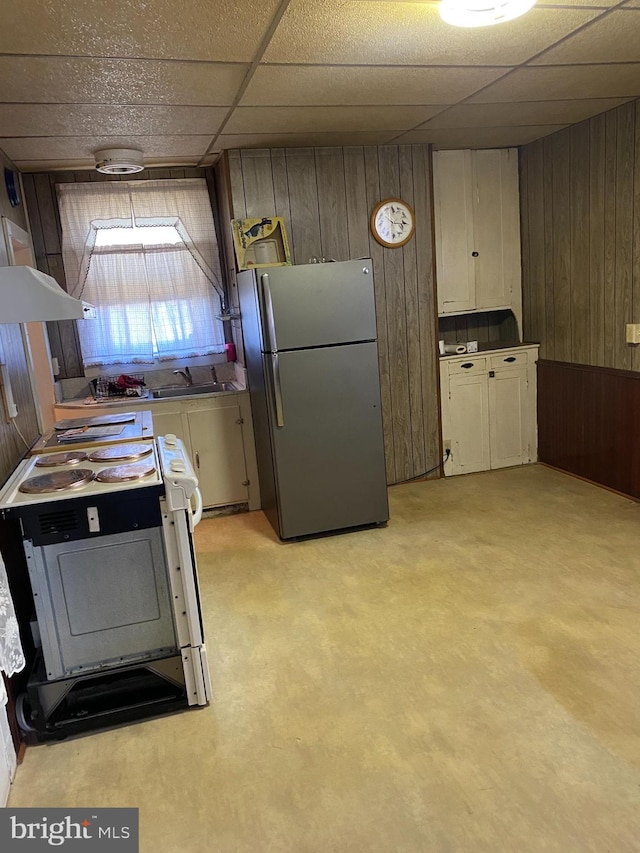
point(482, 13)
point(119, 161)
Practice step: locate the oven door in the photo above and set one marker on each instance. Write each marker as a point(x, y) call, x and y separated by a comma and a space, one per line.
point(102, 602)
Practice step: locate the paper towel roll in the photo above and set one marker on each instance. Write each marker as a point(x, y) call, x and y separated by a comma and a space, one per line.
point(456, 349)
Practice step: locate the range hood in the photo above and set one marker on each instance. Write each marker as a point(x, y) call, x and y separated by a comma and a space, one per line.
point(28, 295)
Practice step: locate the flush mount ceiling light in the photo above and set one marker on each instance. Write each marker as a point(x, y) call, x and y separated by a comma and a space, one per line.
point(119, 161)
point(482, 13)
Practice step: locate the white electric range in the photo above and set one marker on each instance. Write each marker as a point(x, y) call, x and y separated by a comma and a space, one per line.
point(107, 538)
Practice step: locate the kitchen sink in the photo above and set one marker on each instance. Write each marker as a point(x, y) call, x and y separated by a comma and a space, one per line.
point(188, 390)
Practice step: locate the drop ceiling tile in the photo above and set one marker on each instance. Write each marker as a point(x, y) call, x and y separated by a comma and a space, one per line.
point(325, 119)
point(519, 114)
point(312, 84)
point(108, 120)
point(385, 33)
point(478, 137)
point(73, 80)
point(615, 38)
point(299, 140)
point(221, 30)
point(67, 148)
point(564, 82)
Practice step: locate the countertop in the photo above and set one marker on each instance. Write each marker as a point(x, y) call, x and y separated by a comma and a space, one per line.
point(491, 346)
point(127, 402)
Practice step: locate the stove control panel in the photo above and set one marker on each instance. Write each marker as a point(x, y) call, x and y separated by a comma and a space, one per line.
point(179, 477)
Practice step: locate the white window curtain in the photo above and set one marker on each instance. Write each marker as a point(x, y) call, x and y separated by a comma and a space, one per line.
point(154, 301)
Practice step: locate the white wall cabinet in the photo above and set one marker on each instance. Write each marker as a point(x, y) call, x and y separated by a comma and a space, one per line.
point(489, 409)
point(477, 226)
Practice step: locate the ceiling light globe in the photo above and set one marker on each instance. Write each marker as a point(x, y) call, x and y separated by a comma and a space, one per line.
point(482, 13)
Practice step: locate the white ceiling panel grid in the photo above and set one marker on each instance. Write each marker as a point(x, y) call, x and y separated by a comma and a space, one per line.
point(184, 83)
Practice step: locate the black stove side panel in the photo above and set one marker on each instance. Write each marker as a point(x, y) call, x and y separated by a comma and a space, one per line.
point(71, 519)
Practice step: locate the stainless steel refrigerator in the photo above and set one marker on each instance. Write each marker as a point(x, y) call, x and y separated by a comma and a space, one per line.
point(312, 361)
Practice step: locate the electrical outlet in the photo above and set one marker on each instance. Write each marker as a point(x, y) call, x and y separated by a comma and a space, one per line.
point(446, 445)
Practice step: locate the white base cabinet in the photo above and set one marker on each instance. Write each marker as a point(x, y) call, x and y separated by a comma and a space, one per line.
point(489, 409)
point(218, 435)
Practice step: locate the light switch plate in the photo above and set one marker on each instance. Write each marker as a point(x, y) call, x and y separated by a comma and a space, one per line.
point(633, 333)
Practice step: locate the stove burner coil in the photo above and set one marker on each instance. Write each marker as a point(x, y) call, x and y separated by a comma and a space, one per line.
point(122, 473)
point(73, 457)
point(57, 481)
point(120, 452)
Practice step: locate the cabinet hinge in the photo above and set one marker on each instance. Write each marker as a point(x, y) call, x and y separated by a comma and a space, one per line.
point(240, 421)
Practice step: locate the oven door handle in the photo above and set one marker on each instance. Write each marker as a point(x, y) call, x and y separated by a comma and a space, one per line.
point(196, 512)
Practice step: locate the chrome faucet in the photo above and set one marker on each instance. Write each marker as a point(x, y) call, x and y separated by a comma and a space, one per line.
point(214, 375)
point(186, 373)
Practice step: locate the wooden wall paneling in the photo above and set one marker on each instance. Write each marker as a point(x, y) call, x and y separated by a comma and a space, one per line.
point(561, 147)
point(238, 203)
point(31, 202)
point(427, 309)
point(611, 133)
point(536, 257)
point(579, 272)
point(258, 183)
point(588, 423)
point(528, 314)
point(635, 355)
point(372, 178)
point(389, 166)
point(12, 448)
point(47, 204)
point(412, 313)
point(596, 239)
point(358, 211)
point(549, 234)
point(332, 204)
point(624, 232)
point(303, 198)
point(281, 187)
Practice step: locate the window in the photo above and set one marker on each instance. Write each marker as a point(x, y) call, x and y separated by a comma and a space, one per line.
point(145, 254)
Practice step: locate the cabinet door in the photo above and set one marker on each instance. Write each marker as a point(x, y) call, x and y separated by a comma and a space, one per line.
point(508, 419)
point(170, 422)
point(469, 423)
point(217, 452)
point(496, 230)
point(453, 230)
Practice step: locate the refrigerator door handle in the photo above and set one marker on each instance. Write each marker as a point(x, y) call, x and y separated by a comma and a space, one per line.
point(277, 389)
point(268, 307)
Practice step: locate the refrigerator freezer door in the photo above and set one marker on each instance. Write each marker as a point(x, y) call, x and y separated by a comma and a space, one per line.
point(328, 453)
point(317, 305)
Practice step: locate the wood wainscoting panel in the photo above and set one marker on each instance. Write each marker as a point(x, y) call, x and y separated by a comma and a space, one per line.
point(589, 423)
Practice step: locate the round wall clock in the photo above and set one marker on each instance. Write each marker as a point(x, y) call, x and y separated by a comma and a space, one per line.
point(393, 222)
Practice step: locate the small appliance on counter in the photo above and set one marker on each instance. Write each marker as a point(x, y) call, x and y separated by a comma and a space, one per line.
point(312, 362)
point(106, 539)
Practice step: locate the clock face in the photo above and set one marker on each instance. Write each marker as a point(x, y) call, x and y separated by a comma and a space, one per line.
point(392, 222)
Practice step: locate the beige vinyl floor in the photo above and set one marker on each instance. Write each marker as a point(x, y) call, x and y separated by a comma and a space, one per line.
point(467, 679)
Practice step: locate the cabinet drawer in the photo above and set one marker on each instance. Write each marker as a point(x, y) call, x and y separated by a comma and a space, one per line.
point(509, 359)
point(469, 365)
